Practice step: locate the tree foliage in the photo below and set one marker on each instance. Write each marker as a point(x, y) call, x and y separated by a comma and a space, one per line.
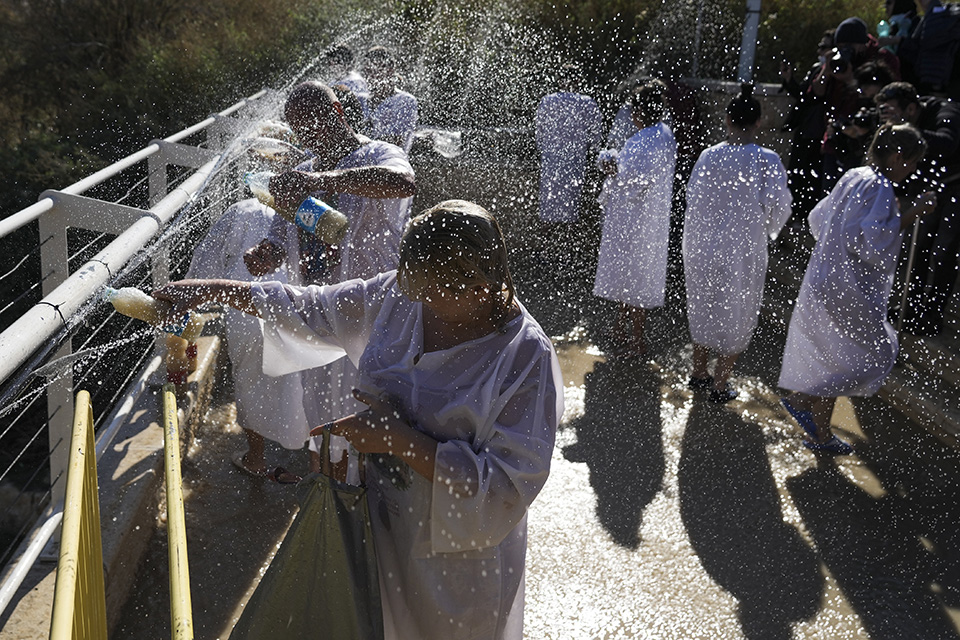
point(89, 81)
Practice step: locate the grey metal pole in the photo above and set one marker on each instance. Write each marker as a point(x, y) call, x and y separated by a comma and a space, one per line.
point(906, 283)
point(748, 47)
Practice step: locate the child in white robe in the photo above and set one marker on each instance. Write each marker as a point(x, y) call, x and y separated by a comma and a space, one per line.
point(737, 198)
point(463, 386)
point(839, 342)
point(632, 264)
point(267, 407)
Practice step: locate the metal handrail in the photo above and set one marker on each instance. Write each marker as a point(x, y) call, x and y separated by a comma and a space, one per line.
point(79, 604)
point(31, 213)
point(39, 331)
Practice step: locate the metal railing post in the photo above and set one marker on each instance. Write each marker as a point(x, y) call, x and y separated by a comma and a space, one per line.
point(59, 393)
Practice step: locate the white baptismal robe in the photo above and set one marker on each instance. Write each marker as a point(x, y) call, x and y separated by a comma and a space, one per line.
point(839, 342)
point(450, 552)
point(737, 198)
point(273, 407)
point(567, 126)
point(370, 246)
point(395, 118)
point(632, 265)
point(622, 128)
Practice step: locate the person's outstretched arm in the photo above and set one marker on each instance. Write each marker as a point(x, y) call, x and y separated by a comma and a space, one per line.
point(186, 295)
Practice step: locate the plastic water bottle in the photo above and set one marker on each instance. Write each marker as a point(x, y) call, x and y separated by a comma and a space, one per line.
point(275, 150)
point(883, 29)
point(276, 129)
point(259, 183)
point(313, 215)
point(134, 303)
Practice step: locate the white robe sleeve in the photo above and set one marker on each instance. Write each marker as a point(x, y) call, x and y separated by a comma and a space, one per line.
point(874, 235)
point(479, 496)
point(820, 215)
point(776, 196)
point(307, 327)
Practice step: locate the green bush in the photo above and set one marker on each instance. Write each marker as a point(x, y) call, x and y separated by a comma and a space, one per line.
point(89, 81)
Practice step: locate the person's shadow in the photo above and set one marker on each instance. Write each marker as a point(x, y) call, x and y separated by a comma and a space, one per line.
point(619, 438)
point(731, 510)
point(875, 548)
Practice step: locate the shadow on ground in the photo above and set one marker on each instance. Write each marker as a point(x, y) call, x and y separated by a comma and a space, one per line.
point(730, 506)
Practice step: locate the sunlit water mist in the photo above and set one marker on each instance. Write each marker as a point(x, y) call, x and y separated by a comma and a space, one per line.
point(649, 570)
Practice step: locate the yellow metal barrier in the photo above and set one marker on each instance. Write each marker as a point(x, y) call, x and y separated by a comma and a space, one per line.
point(79, 605)
point(181, 612)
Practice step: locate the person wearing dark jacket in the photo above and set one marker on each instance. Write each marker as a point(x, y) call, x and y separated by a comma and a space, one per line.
point(935, 263)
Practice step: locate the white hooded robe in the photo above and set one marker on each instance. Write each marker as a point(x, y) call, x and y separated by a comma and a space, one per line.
point(450, 552)
point(568, 125)
point(737, 198)
point(271, 406)
point(371, 246)
point(632, 265)
point(839, 342)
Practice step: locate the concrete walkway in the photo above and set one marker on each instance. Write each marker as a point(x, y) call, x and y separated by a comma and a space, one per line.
point(664, 517)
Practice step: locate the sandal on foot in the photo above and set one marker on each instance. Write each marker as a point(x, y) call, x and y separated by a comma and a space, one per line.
point(700, 383)
point(239, 461)
point(833, 445)
point(721, 396)
point(282, 476)
point(803, 417)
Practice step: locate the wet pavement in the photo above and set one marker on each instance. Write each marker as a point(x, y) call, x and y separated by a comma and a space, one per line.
point(665, 516)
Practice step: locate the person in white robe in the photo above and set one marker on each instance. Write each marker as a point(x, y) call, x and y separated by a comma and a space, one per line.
point(839, 342)
point(371, 182)
point(632, 264)
point(568, 126)
point(462, 385)
point(267, 407)
point(392, 114)
point(338, 71)
point(737, 200)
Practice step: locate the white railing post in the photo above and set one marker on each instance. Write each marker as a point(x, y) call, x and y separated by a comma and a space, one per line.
point(157, 176)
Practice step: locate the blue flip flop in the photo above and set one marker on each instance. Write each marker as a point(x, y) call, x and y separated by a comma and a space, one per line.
point(833, 445)
point(803, 417)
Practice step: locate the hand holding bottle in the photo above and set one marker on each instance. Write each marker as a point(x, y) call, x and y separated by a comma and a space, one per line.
point(289, 195)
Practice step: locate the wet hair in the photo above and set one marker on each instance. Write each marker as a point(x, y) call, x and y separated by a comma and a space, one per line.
point(339, 54)
point(458, 245)
point(311, 95)
point(829, 35)
point(744, 110)
point(650, 97)
point(896, 138)
point(380, 57)
point(904, 93)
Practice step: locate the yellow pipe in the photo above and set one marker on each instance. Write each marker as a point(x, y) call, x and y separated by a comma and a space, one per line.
point(79, 606)
point(181, 613)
